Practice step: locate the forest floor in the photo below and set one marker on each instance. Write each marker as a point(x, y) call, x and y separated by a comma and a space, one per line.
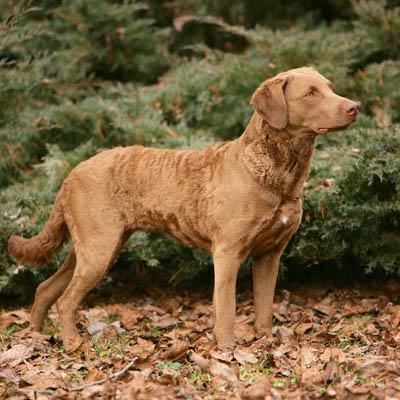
point(328, 343)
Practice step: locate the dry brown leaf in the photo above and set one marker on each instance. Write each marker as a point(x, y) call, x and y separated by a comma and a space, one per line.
point(358, 389)
point(312, 375)
point(326, 337)
point(129, 318)
point(96, 328)
point(283, 333)
point(323, 308)
point(389, 339)
point(15, 355)
point(222, 355)
point(94, 375)
point(13, 317)
point(307, 357)
point(94, 392)
point(150, 309)
point(95, 314)
point(245, 332)
point(303, 327)
point(244, 356)
point(332, 353)
point(137, 388)
point(283, 349)
point(177, 351)
point(9, 374)
point(43, 376)
point(371, 329)
point(165, 321)
point(142, 349)
point(375, 367)
point(253, 393)
point(214, 367)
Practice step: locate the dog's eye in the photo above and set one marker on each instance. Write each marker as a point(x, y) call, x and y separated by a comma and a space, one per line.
point(310, 94)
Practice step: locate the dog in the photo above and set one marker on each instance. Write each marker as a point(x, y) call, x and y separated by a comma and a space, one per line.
point(237, 199)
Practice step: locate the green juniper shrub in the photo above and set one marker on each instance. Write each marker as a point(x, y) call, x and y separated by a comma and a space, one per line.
point(77, 77)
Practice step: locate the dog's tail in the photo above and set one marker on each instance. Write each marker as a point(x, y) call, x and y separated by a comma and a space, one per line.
point(40, 249)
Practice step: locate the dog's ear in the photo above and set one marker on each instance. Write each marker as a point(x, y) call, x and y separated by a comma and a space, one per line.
point(269, 101)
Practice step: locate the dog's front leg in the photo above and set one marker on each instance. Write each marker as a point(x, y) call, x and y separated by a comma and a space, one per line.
point(226, 267)
point(265, 272)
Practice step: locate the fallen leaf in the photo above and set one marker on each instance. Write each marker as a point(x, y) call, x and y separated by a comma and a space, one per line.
point(214, 367)
point(245, 332)
point(225, 355)
point(15, 355)
point(13, 317)
point(93, 392)
point(307, 357)
point(137, 388)
point(130, 318)
point(177, 351)
point(94, 375)
point(245, 357)
point(165, 321)
point(43, 376)
point(312, 375)
point(142, 349)
point(332, 353)
point(323, 308)
point(95, 314)
point(304, 327)
point(96, 329)
point(10, 375)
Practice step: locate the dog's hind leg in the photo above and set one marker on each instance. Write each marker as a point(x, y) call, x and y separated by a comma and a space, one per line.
point(94, 257)
point(50, 290)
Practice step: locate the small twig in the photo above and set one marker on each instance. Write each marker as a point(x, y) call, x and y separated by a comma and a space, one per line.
point(40, 391)
point(116, 375)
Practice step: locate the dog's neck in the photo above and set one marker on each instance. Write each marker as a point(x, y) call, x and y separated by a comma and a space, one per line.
point(275, 158)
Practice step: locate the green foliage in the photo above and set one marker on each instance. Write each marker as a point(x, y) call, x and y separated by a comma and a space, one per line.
point(356, 220)
point(78, 76)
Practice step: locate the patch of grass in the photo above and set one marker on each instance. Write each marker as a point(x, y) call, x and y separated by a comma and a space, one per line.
point(112, 318)
point(359, 379)
point(107, 348)
point(175, 365)
point(154, 331)
point(255, 372)
point(198, 378)
point(78, 375)
point(278, 383)
point(11, 329)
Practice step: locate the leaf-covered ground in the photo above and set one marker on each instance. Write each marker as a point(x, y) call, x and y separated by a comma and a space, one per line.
point(328, 343)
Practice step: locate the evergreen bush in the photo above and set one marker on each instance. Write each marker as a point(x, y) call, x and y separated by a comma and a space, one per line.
point(81, 76)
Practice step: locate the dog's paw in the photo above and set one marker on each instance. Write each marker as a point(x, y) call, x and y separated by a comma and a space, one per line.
point(263, 331)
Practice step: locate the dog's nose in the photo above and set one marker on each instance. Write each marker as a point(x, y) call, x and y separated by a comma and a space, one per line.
point(351, 108)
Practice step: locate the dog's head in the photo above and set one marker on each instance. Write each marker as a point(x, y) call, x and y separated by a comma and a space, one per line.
point(303, 99)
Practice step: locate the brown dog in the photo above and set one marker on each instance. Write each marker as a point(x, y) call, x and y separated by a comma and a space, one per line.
point(237, 199)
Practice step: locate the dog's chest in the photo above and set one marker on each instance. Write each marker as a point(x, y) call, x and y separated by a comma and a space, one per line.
point(276, 229)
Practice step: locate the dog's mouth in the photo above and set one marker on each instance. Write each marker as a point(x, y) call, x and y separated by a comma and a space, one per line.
point(336, 128)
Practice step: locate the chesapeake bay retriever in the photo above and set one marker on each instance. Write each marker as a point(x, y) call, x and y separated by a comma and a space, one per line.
point(237, 199)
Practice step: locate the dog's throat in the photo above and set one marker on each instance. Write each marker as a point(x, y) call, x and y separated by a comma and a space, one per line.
point(280, 165)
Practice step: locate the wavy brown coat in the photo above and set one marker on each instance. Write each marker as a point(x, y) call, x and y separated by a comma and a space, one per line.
point(238, 199)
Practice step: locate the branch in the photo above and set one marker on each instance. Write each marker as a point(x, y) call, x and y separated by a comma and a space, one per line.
point(40, 391)
point(116, 375)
